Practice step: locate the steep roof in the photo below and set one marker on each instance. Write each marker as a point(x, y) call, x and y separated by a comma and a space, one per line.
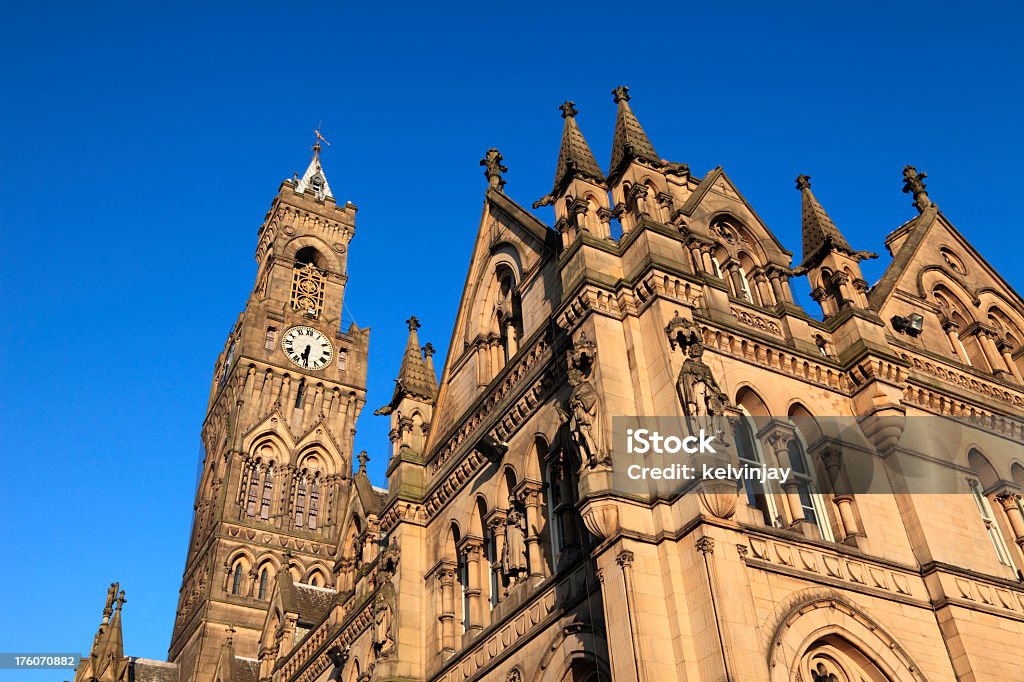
point(415, 377)
point(630, 141)
point(820, 234)
point(574, 156)
point(314, 177)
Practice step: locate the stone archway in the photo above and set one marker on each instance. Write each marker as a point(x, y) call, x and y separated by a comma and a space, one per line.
point(831, 640)
point(576, 654)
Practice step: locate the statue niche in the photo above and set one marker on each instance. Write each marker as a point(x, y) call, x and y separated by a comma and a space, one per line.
point(703, 400)
point(585, 413)
point(513, 554)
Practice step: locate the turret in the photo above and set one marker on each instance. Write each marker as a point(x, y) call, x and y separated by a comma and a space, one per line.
point(580, 191)
point(830, 263)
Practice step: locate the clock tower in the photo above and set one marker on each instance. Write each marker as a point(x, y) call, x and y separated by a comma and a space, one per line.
point(277, 438)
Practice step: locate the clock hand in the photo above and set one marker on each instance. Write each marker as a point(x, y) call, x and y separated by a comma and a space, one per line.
point(305, 353)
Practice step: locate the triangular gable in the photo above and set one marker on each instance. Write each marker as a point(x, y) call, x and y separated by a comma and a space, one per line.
point(904, 272)
point(516, 225)
point(718, 183)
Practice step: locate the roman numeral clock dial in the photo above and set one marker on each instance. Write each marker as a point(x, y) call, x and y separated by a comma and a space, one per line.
point(307, 347)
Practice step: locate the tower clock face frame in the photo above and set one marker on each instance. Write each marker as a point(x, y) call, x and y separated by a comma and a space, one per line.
point(307, 347)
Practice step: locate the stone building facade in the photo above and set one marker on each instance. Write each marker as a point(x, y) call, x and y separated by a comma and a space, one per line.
point(505, 546)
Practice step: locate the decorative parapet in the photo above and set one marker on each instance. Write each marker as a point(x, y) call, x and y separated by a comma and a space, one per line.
point(964, 380)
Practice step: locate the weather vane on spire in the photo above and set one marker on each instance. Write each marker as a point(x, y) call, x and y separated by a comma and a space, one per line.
point(319, 138)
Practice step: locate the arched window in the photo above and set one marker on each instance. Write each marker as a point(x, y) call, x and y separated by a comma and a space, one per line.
point(263, 583)
point(253, 487)
point(236, 580)
point(984, 471)
point(750, 455)
point(300, 393)
point(268, 492)
point(811, 502)
point(564, 520)
point(508, 309)
point(300, 500)
point(314, 502)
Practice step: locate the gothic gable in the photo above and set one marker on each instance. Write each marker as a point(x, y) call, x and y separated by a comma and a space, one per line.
point(506, 298)
point(715, 200)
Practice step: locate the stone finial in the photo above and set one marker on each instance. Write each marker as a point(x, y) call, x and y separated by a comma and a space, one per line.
point(568, 109)
point(363, 459)
point(121, 600)
point(621, 94)
point(493, 168)
point(108, 608)
point(428, 350)
point(803, 181)
point(913, 183)
point(413, 323)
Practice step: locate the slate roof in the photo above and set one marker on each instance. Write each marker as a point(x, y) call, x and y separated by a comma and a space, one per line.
point(148, 670)
point(630, 141)
point(574, 155)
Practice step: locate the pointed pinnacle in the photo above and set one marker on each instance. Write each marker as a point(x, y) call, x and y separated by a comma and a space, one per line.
point(568, 109)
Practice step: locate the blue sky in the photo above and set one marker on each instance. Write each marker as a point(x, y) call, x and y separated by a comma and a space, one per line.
point(141, 144)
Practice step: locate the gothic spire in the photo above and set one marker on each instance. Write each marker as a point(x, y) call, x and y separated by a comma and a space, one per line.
point(574, 155)
point(820, 233)
point(630, 140)
point(107, 655)
point(314, 179)
point(415, 377)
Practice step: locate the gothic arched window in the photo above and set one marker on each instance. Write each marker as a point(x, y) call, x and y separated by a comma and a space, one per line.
point(750, 455)
point(314, 502)
point(263, 583)
point(300, 500)
point(811, 502)
point(268, 492)
point(236, 580)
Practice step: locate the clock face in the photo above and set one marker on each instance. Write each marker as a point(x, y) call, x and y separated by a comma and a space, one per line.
point(307, 347)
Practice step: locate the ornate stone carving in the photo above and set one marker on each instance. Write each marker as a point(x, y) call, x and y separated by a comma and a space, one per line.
point(585, 419)
point(513, 554)
point(706, 545)
point(913, 183)
point(493, 168)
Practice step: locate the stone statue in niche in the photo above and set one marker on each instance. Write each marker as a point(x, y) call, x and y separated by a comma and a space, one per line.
point(585, 420)
point(383, 617)
point(702, 399)
point(513, 559)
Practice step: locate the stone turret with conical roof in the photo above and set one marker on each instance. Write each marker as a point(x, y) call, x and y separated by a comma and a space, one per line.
point(830, 263)
point(580, 191)
point(412, 402)
point(638, 177)
point(630, 142)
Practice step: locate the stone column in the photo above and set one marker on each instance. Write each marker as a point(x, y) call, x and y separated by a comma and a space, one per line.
point(987, 340)
point(737, 280)
point(775, 280)
point(496, 524)
point(1005, 349)
point(778, 437)
point(471, 555)
point(446, 579)
point(510, 336)
point(1010, 502)
point(952, 330)
point(831, 459)
point(531, 495)
point(625, 561)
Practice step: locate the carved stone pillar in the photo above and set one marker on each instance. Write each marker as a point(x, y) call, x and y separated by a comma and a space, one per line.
point(531, 493)
point(625, 561)
point(952, 330)
point(778, 437)
point(831, 459)
point(1010, 502)
point(446, 579)
point(1005, 349)
point(496, 524)
point(986, 339)
point(471, 548)
point(736, 278)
